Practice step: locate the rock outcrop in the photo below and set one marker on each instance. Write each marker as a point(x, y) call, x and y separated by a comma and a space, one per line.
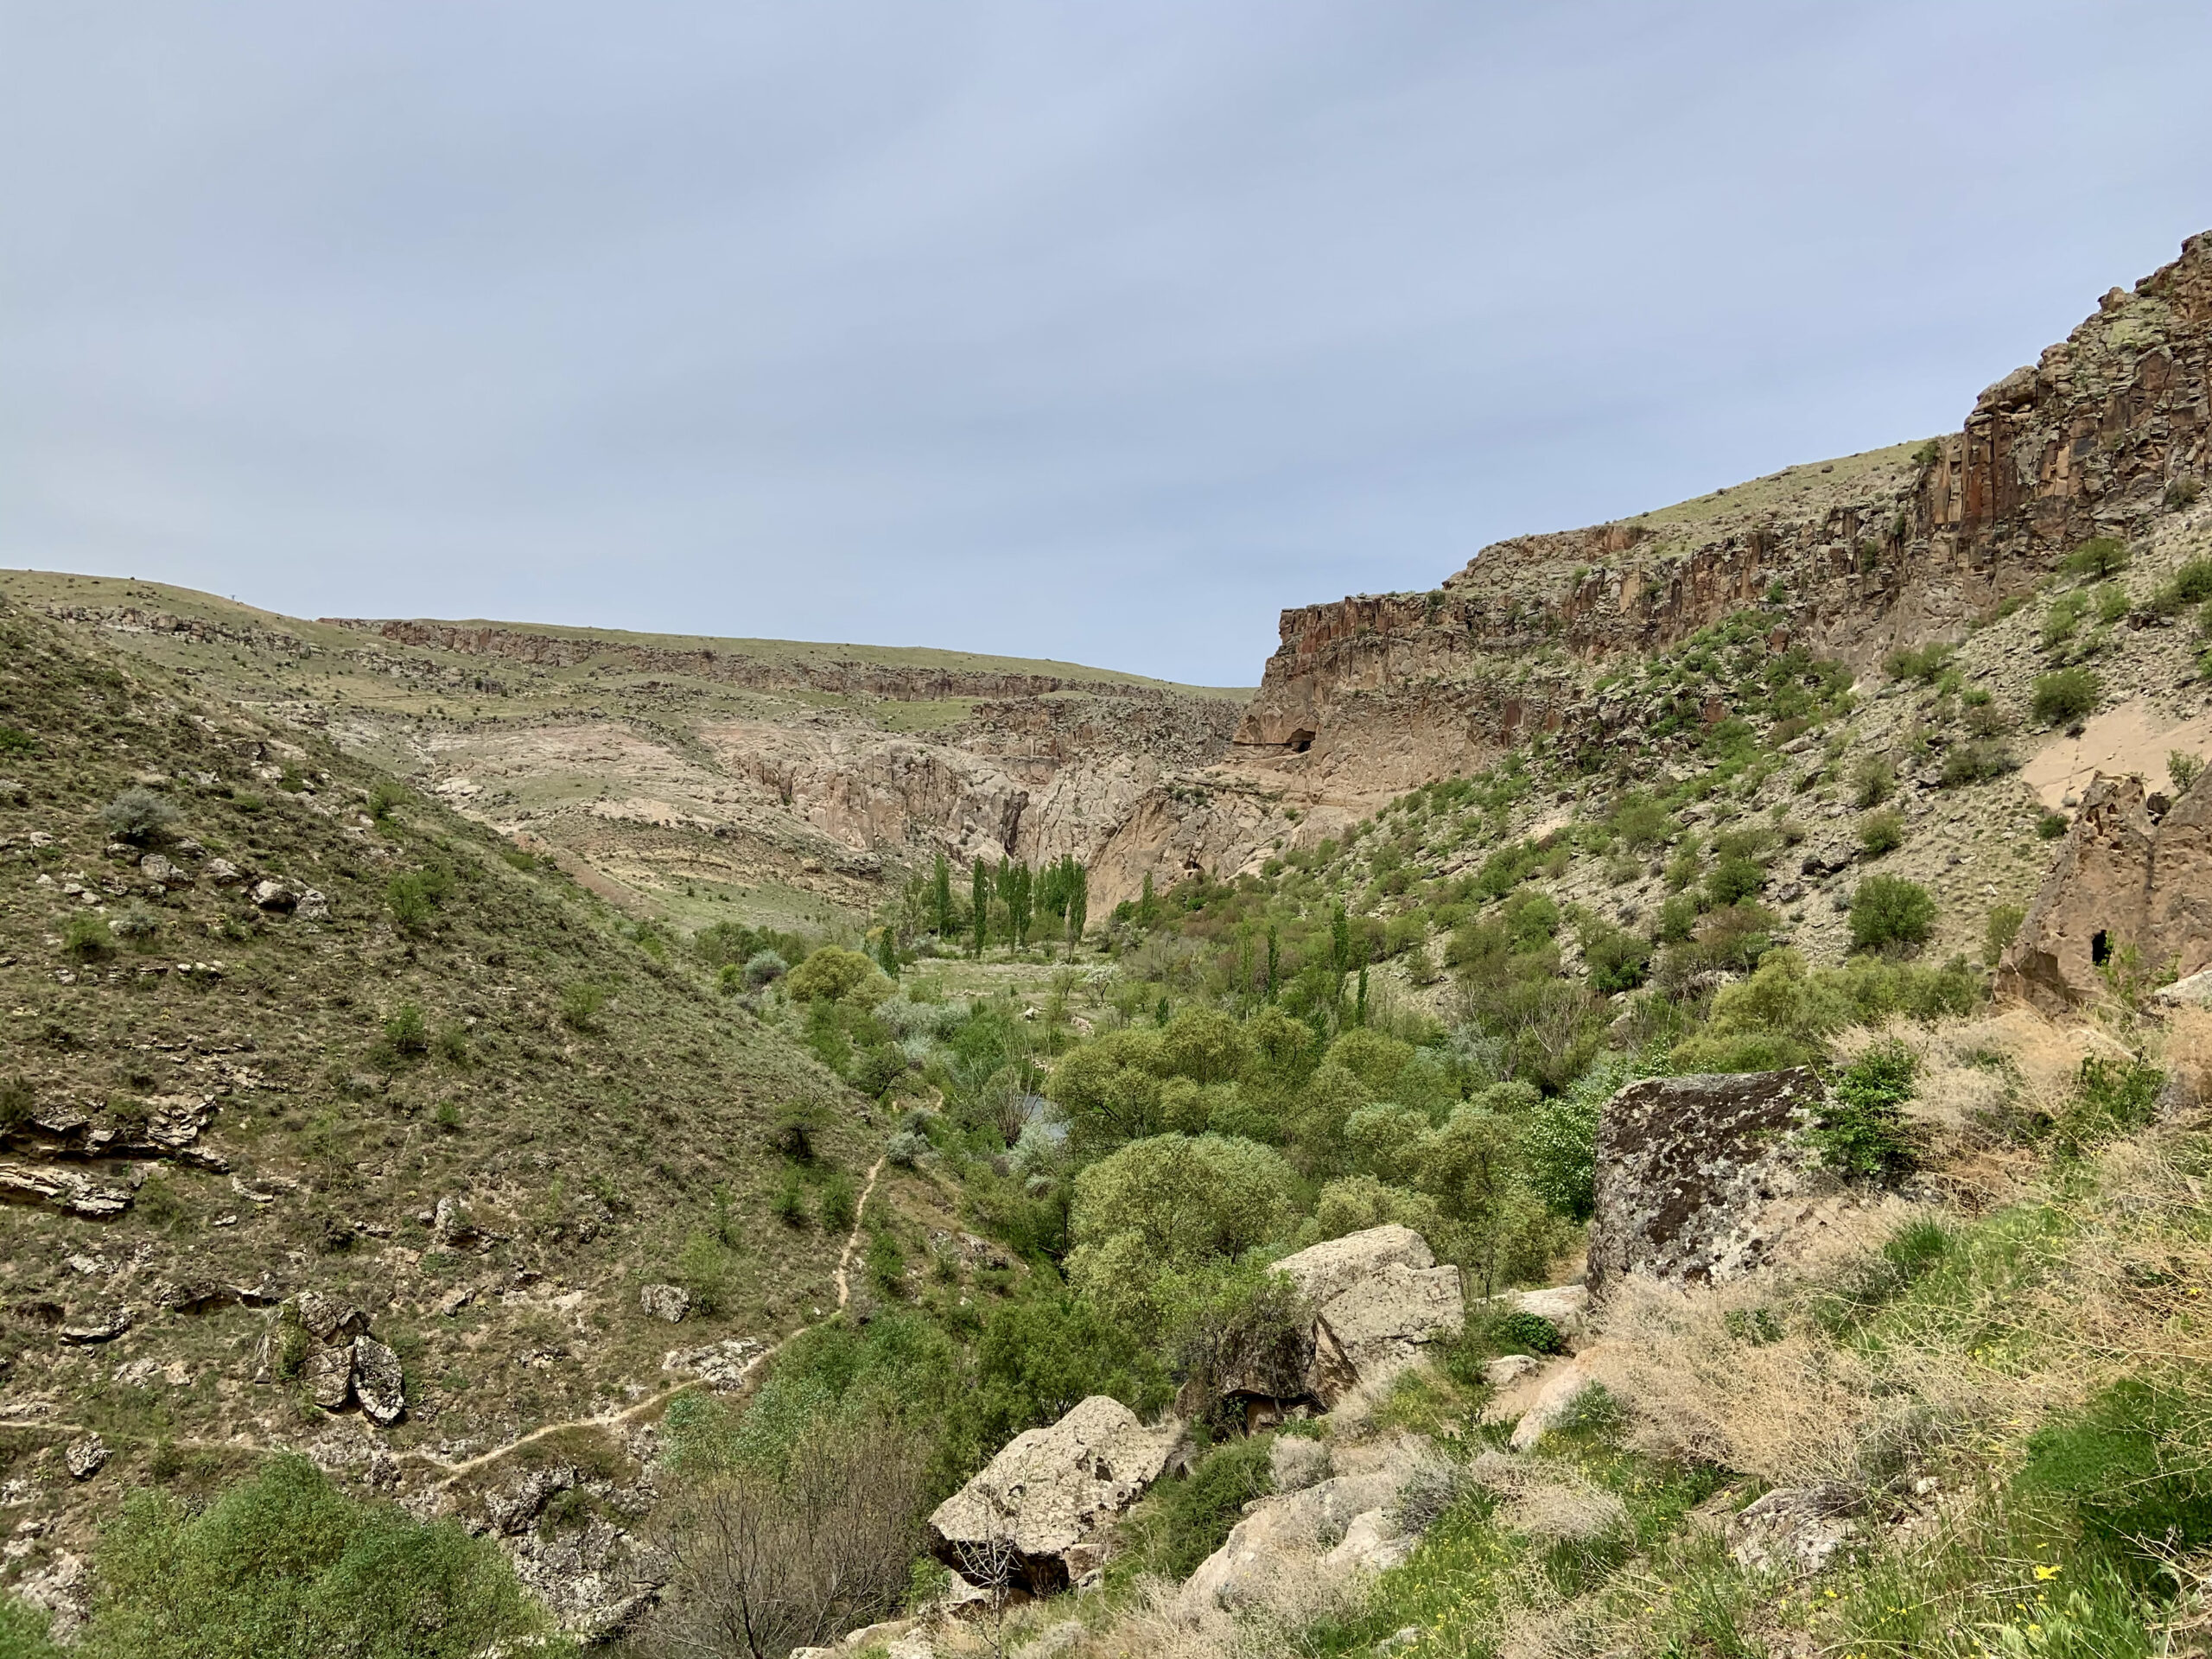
point(1689, 1170)
point(339, 1362)
point(2129, 890)
point(1379, 1298)
point(1038, 1514)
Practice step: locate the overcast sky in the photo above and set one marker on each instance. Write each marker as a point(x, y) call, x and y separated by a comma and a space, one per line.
point(1100, 331)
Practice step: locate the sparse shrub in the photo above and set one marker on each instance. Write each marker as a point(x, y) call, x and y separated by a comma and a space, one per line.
point(886, 1263)
point(2182, 493)
point(1617, 959)
point(2052, 825)
point(1890, 913)
point(1864, 1130)
point(580, 1003)
point(1922, 664)
point(385, 794)
point(2101, 557)
point(908, 1148)
point(2112, 603)
point(447, 1117)
point(87, 938)
point(2064, 617)
point(1872, 780)
point(1881, 832)
point(764, 968)
point(452, 1043)
point(702, 1267)
point(14, 740)
point(796, 1124)
point(406, 1031)
point(790, 1204)
point(2114, 1098)
point(2183, 769)
point(414, 896)
point(1977, 763)
point(2070, 694)
point(2003, 927)
point(836, 1207)
point(138, 814)
point(139, 923)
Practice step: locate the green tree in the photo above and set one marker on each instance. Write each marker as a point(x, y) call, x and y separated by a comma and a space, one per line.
point(941, 896)
point(887, 949)
point(1890, 913)
point(979, 901)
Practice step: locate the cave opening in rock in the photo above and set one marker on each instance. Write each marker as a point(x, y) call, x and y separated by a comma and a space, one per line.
point(1300, 741)
point(2100, 948)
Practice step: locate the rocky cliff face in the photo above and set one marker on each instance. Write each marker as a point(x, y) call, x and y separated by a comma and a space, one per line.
point(1378, 693)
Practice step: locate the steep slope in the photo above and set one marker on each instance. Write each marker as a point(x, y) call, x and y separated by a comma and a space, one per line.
point(275, 1025)
point(1852, 556)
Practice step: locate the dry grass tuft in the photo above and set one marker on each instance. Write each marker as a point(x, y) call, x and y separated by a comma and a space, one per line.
point(1792, 1411)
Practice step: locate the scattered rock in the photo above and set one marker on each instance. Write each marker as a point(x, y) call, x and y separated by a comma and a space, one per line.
point(327, 1318)
point(85, 1459)
point(223, 873)
point(63, 1591)
point(154, 868)
point(97, 1327)
point(65, 1190)
point(1302, 1531)
point(1551, 1403)
point(453, 1301)
point(1688, 1173)
point(1796, 1529)
point(312, 908)
point(1044, 1503)
point(1509, 1368)
point(378, 1381)
point(670, 1302)
point(722, 1366)
point(274, 896)
point(1379, 1298)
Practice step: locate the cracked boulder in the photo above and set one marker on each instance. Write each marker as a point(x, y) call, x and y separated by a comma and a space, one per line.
point(1040, 1512)
point(1379, 1299)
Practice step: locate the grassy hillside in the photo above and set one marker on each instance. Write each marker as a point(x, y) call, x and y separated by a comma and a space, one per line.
point(287, 1092)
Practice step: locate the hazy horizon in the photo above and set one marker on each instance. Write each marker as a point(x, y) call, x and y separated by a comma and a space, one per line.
point(1098, 336)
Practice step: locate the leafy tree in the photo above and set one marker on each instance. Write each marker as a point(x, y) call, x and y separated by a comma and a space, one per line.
point(1890, 913)
point(1172, 1205)
point(2067, 695)
point(941, 896)
point(835, 975)
point(979, 902)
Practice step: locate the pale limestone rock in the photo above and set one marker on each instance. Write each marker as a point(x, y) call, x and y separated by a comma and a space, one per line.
point(1048, 1496)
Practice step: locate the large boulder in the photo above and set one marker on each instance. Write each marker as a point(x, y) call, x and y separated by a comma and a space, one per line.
point(1690, 1173)
point(1038, 1514)
point(2128, 878)
point(1379, 1298)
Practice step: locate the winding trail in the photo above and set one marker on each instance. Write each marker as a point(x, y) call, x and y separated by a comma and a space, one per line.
point(454, 1471)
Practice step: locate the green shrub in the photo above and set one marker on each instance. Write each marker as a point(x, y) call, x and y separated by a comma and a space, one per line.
point(2049, 826)
point(837, 1207)
point(2182, 769)
point(1180, 1523)
point(2112, 603)
point(414, 896)
point(2063, 619)
point(1734, 878)
point(701, 1267)
point(1617, 959)
point(789, 1204)
point(2101, 557)
point(2113, 1098)
point(386, 793)
point(1881, 832)
point(406, 1031)
point(1977, 763)
point(140, 923)
point(138, 814)
point(1862, 1131)
point(2067, 695)
point(14, 740)
point(886, 1263)
point(1677, 917)
point(23, 1633)
point(580, 1002)
point(1922, 664)
point(285, 1564)
point(86, 937)
point(1872, 780)
point(1523, 1332)
point(1890, 913)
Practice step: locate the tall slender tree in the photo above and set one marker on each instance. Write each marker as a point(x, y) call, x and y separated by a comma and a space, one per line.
point(1078, 901)
point(941, 895)
point(979, 895)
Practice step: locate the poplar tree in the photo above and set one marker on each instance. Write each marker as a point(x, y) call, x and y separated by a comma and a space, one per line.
point(1078, 900)
point(979, 887)
point(886, 950)
point(1274, 949)
point(941, 893)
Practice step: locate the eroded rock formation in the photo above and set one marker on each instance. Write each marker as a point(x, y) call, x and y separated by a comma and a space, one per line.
point(2130, 893)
